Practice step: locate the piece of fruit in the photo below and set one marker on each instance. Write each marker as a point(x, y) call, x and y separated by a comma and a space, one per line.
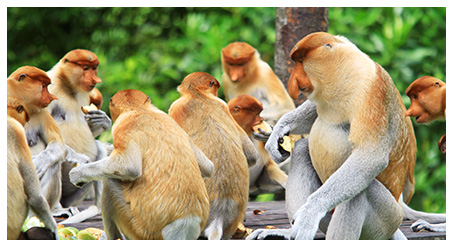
point(85, 235)
point(264, 126)
point(96, 232)
point(88, 108)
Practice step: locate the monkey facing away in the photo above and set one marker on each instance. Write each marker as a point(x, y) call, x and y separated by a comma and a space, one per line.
point(153, 187)
point(361, 149)
point(244, 72)
point(73, 80)
point(24, 191)
point(208, 122)
point(428, 103)
point(29, 84)
point(246, 110)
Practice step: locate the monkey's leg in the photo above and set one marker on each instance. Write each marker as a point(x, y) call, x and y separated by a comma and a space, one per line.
point(111, 198)
point(372, 214)
point(51, 184)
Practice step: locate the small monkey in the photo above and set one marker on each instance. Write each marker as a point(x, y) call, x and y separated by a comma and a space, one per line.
point(153, 188)
point(246, 110)
point(74, 79)
point(24, 191)
point(207, 120)
point(29, 84)
point(361, 149)
point(244, 72)
point(428, 103)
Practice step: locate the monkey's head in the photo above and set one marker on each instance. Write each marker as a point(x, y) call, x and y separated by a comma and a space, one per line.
point(199, 82)
point(17, 110)
point(318, 57)
point(235, 60)
point(29, 84)
point(246, 110)
point(427, 95)
point(127, 100)
point(80, 68)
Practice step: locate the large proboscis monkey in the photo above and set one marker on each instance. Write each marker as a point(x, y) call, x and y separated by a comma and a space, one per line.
point(29, 84)
point(207, 120)
point(245, 73)
point(361, 149)
point(246, 110)
point(428, 103)
point(153, 187)
point(24, 191)
point(73, 80)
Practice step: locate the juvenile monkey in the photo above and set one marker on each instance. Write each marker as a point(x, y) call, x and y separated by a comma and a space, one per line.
point(361, 150)
point(428, 103)
point(245, 73)
point(208, 122)
point(246, 110)
point(24, 190)
point(73, 80)
point(153, 187)
point(29, 84)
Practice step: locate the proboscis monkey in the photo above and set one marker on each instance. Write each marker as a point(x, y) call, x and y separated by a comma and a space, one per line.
point(246, 110)
point(245, 73)
point(29, 84)
point(361, 149)
point(153, 187)
point(207, 120)
point(428, 103)
point(24, 191)
point(73, 80)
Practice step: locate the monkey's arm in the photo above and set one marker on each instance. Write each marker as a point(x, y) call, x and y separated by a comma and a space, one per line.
point(98, 121)
point(55, 152)
point(297, 121)
point(354, 176)
point(206, 165)
point(123, 165)
point(250, 151)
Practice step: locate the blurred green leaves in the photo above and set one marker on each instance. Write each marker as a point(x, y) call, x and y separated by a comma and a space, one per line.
point(153, 49)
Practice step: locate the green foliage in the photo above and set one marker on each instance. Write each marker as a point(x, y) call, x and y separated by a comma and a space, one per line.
point(153, 49)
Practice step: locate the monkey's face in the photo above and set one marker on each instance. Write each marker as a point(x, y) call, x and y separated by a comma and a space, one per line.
point(246, 110)
point(82, 66)
point(17, 110)
point(31, 84)
point(426, 98)
point(315, 56)
point(236, 60)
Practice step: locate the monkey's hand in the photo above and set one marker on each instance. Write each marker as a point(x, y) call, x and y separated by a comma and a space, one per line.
point(262, 136)
point(98, 121)
point(420, 225)
point(277, 153)
point(305, 222)
point(74, 157)
point(263, 234)
point(78, 177)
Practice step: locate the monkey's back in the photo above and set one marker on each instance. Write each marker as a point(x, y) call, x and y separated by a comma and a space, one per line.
point(171, 186)
point(214, 131)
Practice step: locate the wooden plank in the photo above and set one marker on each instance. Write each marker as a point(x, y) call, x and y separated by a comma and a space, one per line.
point(261, 214)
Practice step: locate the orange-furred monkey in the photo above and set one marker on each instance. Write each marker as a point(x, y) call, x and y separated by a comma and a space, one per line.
point(24, 191)
point(245, 73)
point(208, 122)
point(361, 149)
point(73, 80)
point(246, 110)
point(29, 84)
point(428, 103)
point(153, 188)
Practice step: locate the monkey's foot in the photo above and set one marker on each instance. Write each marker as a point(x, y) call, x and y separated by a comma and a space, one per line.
point(268, 234)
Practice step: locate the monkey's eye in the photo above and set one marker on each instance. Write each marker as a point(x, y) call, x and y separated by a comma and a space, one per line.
point(414, 96)
point(110, 100)
point(86, 68)
point(211, 83)
point(21, 77)
point(20, 109)
point(95, 67)
point(437, 84)
point(327, 45)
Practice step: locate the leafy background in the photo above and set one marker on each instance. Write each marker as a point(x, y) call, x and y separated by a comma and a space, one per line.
point(153, 49)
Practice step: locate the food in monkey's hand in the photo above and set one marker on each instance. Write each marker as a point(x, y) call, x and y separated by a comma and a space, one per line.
point(88, 108)
point(264, 126)
point(288, 143)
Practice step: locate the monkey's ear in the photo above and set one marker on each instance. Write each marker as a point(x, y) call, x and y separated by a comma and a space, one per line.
point(237, 109)
point(111, 102)
point(148, 100)
point(437, 84)
point(22, 76)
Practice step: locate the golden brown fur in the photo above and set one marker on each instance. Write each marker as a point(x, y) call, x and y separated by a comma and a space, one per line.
point(208, 122)
point(369, 118)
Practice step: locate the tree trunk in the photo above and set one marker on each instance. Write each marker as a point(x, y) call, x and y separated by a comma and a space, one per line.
point(291, 25)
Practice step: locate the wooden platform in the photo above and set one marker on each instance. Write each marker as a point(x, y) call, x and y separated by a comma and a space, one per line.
point(262, 214)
